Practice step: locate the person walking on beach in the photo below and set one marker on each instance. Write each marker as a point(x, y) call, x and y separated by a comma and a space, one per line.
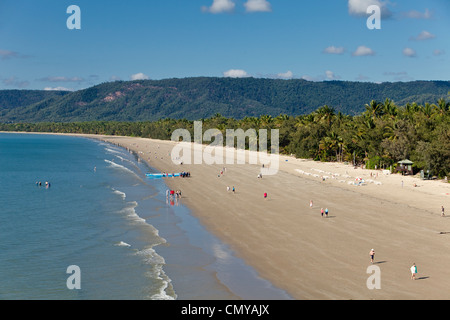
point(372, 254)
point(321, 212)
point(265, 195)
point(326, 212)
point(442, 211)
point(310, 204)
point(413, 271)
point(234, 190)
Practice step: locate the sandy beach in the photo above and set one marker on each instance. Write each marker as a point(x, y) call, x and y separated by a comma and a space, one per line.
point(290, 244)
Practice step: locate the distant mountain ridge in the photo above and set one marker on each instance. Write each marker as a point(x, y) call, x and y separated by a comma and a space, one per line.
point(203, 97)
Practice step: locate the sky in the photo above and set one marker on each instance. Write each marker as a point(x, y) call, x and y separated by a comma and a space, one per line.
point(318, 40)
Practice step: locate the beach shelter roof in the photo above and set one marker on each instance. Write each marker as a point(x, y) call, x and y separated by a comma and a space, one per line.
point(406, 161)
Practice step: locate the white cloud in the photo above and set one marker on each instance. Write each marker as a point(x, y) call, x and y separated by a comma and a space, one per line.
point(331, 76)
point(334, 50)
point(438, 52)
point(413, 14)
point(408, 52)
point(258, 6)
point(359, 7)
point(285, 75)
point(57, 89)
point(139, 76)
point(220, 6)
point(235, 73)
point(309, 78)
point(424, 35)
point(363, 51)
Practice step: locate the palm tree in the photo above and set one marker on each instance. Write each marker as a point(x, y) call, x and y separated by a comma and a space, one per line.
point(427, 110)
point(410, 110)
point(280, 119)
point(391, 131)
point(374, 109)
point(390, 109)
point(304, 120)
point(266, 120)
point(340, 117)
point(250, 122)
point(332, 142)
point(443, 107)
point(325, 113)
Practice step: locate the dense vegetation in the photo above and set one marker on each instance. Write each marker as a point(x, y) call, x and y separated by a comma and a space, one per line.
point(380, 136)
point(12, 99)
point(202, 97)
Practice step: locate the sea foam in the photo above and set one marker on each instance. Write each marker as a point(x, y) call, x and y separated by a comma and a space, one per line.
point(131, 214)
point(157, 262)
point(122, 244)
point(113, 151)
point(123, 194)
point(118, 166)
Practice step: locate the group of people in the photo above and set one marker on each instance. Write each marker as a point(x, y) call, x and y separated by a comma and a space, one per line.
point(322, 211)
point(222, 172)
point(39, 184)
point(182, 174)
point(173, 194)
point(233, 189)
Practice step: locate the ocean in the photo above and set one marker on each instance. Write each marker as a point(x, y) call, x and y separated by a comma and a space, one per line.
point(79, 220)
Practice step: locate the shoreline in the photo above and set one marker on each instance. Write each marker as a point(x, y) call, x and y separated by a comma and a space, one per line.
point(198, 264)
point(292, 246)
point(239, 280)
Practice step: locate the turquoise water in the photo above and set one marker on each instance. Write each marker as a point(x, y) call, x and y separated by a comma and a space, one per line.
point(82, 219)
point(101, 214)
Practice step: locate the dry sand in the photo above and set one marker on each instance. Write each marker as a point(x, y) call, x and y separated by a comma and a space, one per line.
point(309, 256)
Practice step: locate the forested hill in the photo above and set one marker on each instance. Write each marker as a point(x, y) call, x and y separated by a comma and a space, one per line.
point(202, 97)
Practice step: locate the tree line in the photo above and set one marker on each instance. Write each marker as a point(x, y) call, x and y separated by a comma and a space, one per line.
point(382, 135)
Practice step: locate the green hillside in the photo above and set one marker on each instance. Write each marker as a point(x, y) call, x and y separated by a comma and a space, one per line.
point(196, 98)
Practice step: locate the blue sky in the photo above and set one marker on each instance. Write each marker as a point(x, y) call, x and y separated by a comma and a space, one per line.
point(316, 40)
